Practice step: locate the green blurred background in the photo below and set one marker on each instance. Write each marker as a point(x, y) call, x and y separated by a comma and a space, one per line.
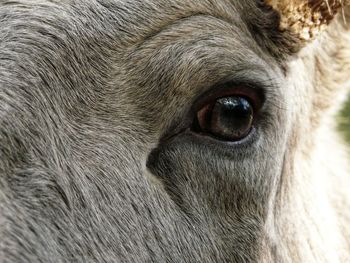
point(344, 121)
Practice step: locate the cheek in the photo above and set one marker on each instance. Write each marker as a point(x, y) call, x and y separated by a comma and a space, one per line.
point(206, 178)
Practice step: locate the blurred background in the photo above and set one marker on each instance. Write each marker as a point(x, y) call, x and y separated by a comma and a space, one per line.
point(344, 121)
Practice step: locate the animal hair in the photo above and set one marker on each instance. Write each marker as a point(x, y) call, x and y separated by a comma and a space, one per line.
point(96, 160)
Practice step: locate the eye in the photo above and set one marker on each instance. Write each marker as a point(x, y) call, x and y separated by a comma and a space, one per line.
point(228, 118)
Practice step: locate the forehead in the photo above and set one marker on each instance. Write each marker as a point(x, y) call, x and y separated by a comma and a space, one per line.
point(145, 18)
point(214, 29)
point(170, 44)
point(134, 21)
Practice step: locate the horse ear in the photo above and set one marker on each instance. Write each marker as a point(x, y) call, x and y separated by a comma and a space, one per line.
point(306, 18)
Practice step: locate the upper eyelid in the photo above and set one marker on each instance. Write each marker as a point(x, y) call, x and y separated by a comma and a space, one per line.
point(249, 75)
point(227, 86)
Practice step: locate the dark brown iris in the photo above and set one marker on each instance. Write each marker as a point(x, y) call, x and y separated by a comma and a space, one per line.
point(229, 118)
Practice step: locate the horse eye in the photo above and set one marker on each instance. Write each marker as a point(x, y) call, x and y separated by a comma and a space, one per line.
point(228, 118)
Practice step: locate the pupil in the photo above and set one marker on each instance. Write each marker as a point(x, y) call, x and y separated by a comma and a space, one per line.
point(232, 117)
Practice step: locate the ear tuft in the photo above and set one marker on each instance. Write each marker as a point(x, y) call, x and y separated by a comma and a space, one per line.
point(306, 18)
